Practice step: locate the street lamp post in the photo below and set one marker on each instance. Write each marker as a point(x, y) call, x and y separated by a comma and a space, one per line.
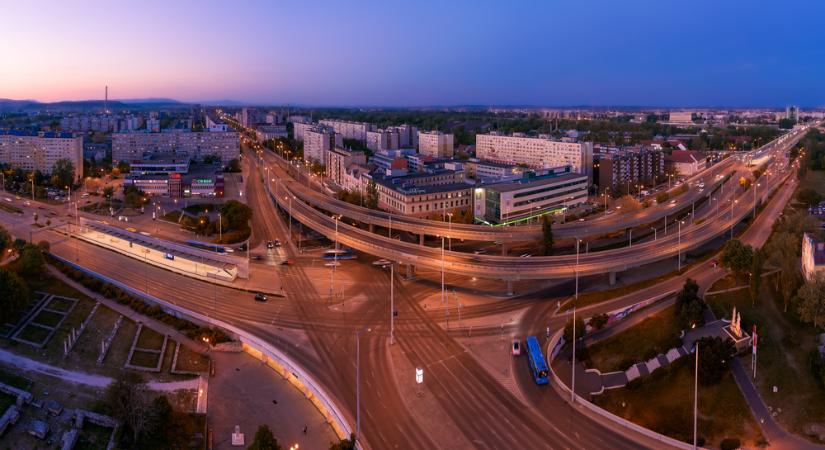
point(334, 261)
point(679, 246)
point(450, 230)
point(576, 297)
point(442, 269)
point(696, 396)
point(392, 302)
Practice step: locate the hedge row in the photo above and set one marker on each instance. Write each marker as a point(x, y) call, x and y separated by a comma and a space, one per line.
point(186, 327)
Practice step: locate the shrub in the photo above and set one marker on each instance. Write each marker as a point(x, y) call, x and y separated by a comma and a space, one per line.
point(730, 444)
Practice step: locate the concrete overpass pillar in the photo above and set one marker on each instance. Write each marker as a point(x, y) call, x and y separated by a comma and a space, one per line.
point(510, 288)
point(504, 249)
point(611, 278)
point(372, 228)
point(682, 256)
point(421, 239)
point(410, 271)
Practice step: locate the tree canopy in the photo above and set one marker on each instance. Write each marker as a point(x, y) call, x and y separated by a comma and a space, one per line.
point(547, 235)
point(715, 354)
point(737, 257)
point(264, 440)
point(811, 305)
point(63, 173)
point(689, 307)
point(15, 294)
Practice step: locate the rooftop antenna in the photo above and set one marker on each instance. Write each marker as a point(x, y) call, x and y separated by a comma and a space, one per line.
point(106, 100)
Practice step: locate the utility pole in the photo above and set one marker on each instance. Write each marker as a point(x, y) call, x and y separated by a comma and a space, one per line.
point(442, 270)
point(696, 397)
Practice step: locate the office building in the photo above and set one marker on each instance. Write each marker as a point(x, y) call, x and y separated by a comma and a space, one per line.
point(435, 144)
point(196, 145)
point(40, 151)
point(685, 162)
point(338, 160)
point(532, 196)
point(491, 171)
point(425, 195)
point(318, 141)
point(792, 113)
point(619, 170)
point(349, 130)
point(536, 153)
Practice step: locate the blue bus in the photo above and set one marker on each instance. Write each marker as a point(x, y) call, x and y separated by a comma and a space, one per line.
point(206, 246)
point(338, 254)
point(536, 360)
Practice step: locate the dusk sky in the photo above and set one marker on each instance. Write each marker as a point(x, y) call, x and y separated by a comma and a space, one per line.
point(414, 53)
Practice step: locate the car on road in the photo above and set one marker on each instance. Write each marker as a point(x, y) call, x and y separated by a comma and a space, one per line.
point(270, 245)
point(382, 262)
point(332, 264)
point(526, 255)
point(8, 199)
point(516, 347)
point(673, 202)
point(714, 263)
point(286, 262)
point(277, 243)
point(27, 203)
point(260, 297)
point(243, 247)
point(256, 257)
point(131, 230)
point(480, 251)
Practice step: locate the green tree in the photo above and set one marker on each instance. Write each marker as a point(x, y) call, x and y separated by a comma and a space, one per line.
point(5, 240)
point(811, 305)
point(264, 440)
point(662, 197)
point(31, 262)
point(126, 399)
point(568, 328)
point(737, 257)
point(236, 214)
point(233, 166)
point(123, 167)
point(108, 191)
point(63, 173)
point(689, 308)
point(372, 195)
point(784, 252)
point(547, 236)
point(599, 321)
point(344, 444)
point(757, 267)
point(808, 197)
point(15, 294)
point(715, 354)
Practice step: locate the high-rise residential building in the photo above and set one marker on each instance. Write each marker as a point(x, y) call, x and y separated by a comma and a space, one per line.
point(318, 141)
point(620, 170)
point(134, 146)
point(299, 129)
point(407, 135)
point(349, 130)
point(40, 151)
point(435, 144)
point(792, 113)
point(153, 125)
point(250, 116)
point(382, 140)
point(536, 153)
point(338, 162)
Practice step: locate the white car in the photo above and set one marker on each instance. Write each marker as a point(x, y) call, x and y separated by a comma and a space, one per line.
point(382, 262)
point(516, 347)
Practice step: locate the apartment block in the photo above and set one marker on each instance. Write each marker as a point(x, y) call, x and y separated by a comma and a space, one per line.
point(134, 146)
point(40, 151)
point(620, 169)
point(435, 144)
point(535, 152)
point(349, 130)
point(299, 129)
point(318, 141)
point(383, 140)
point(339, 160)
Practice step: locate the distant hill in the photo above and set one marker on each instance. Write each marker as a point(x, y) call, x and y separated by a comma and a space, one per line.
point(9, 105)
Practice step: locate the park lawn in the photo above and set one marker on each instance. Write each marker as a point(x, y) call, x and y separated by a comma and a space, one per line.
point(48, 318)
point(191, 361)
point(784, 348)
point(663, 402)
point(60, 304)
point(652, 336)
point(15, 380)
point(729, 281)
point(813, 179)
point(144, 359)
point(149, 339)
point(93, 437)
point(33, 334)
point(119, 351)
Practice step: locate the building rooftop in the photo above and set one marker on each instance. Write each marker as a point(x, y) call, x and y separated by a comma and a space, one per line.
point(49, 134)
point(535, 181)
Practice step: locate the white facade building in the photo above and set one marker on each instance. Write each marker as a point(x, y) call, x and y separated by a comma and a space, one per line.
point(299, 129)
point(133, 146)
point(40, 151)
point(318, 141)
point(813, 256)
point(435, 144)
point(536, 153)
point(349, 130)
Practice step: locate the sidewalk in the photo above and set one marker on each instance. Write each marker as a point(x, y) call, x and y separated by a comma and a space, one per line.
point(125, 311)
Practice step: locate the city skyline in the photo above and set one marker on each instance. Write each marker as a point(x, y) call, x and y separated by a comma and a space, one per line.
point(326, 54)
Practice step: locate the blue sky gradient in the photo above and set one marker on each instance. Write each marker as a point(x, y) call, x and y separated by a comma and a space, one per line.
point(394, 53)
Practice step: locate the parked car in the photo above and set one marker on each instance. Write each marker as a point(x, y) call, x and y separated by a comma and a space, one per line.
point(286, 262)
point(270, 245)
point(260, 297)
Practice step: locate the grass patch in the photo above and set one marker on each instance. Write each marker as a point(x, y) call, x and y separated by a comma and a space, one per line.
point(172, 216)
point(144, 359)
point(48, 318)
point(60, 304)
point(663, 402)
point(33, 334)
point(149, 339)
point(813, 179)
point(191, 361)
point(15, 380)
point(199, 208)
point(729, 281)
point(785, 344)
point(652, 336)
point(93, 437)
point(121, 344)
